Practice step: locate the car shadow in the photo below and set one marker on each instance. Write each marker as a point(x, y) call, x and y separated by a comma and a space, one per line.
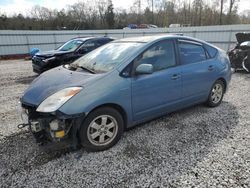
point(26, 79)
point(180, 140)
point(175, 143)
point(241, 71)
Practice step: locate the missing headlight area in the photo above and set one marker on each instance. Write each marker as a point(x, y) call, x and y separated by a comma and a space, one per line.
point(240, 54)
point(50, 129)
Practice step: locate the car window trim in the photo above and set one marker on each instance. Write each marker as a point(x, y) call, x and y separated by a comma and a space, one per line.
point(190, 41)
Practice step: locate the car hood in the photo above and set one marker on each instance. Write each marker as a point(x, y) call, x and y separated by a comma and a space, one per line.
point(242, 37)
point(52, 53)
point(54, 80)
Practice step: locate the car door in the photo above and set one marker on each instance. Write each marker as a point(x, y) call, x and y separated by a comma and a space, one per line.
point(197, 71)
point(155, 94)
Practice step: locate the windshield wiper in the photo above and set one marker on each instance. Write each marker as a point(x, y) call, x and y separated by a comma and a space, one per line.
point(87, 69)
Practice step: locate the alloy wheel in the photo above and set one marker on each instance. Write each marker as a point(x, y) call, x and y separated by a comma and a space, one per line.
point(217, 93)
point(102, 130)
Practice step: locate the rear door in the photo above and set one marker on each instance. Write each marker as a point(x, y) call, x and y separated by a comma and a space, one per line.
point(198, 71)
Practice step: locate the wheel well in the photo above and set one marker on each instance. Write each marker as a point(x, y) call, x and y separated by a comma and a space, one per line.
point(224, 82)
point(116, 107)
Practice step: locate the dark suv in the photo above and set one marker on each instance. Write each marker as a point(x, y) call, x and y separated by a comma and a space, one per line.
point(67, 53)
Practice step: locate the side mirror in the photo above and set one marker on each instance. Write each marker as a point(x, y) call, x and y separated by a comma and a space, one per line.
point(144, 69)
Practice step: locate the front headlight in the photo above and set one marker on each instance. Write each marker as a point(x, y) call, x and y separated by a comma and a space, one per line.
point(49, 59)
point(55, 101)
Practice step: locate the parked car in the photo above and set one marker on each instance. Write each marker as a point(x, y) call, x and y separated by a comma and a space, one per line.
point(152, 26)
point(126, 82)
point(141, 26)
point(67, 53)
point(132, 26)
point(240, 54)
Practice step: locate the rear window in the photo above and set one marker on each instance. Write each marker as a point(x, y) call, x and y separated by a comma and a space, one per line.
point(211, 50)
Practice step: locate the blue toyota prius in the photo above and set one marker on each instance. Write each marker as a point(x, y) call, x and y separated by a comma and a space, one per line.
point(92, 101)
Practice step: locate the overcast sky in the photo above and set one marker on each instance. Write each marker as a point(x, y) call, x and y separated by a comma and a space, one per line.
point(22, 6)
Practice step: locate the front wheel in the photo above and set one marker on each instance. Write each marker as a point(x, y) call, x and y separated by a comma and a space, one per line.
point(101, 129)
point(216, 94)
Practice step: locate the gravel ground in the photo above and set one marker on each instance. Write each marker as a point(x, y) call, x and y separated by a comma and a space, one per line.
point(195, 147)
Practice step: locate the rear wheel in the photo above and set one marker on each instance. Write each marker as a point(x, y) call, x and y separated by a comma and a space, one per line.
point(101, 129)
point(216, 94)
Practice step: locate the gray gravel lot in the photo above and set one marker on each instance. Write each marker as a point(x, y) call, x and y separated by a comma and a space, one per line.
point(195, 147)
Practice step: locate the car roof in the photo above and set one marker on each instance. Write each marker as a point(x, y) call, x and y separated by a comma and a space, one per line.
point(149, 39)
point(143, 39)
point(155, 38)
point(90, 37)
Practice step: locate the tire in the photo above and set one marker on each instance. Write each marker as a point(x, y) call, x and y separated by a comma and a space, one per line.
point(246, 64)
point(101, 129)
point(216, 94)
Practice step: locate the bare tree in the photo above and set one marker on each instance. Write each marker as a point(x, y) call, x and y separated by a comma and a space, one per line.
point(222, 2)
point(231, 5)
point(100, 14)
point(109, 15)
point(151, 4)
point(102, 7)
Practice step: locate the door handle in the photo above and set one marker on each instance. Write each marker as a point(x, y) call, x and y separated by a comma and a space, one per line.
point(175, 76)
point(210, 67)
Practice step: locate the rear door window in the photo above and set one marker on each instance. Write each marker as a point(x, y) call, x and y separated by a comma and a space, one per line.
point(101, 42)
point(191, 52)
point(89, 46)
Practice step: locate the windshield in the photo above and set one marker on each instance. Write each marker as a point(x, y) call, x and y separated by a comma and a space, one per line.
point(70, 45)
point(105, 58)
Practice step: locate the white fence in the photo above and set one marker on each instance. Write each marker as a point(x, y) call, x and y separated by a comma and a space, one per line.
point(21, 42)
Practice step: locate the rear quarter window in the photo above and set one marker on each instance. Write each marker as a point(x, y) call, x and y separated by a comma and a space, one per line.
point(211, 50)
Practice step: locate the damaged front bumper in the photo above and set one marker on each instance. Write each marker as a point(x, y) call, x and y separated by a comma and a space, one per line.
point(52, 130)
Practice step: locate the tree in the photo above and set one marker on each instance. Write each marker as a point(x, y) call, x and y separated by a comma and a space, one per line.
point(136, 9)
point(221, 10)
point(102, 8)
point(77, 13)
point(231, 5)
point(232, 11)
point(3, 21)
point(110, 16)
point(169, 13)
point(151, 3)
point(100, 14)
